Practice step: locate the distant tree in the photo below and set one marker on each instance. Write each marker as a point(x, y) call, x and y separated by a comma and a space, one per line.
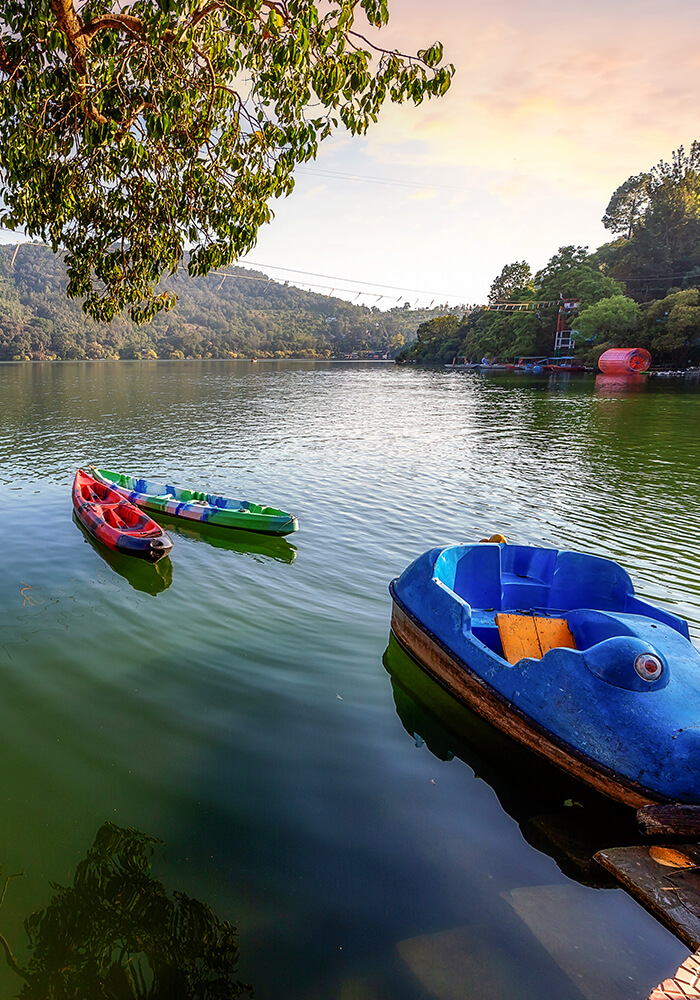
point(572, 273)
point(609, 319)
point(514, 278)
point(130, 129)
point(672, 325)
point(663, 248)
point(499, 334)
point(627, 206)
point(436, 340)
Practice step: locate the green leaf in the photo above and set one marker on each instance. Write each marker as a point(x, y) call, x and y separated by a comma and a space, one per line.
point(150, 139)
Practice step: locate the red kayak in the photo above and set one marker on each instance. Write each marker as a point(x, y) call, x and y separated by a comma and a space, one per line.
point(115, 522)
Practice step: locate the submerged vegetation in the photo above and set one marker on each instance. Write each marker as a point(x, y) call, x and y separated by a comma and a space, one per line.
point(642, 287)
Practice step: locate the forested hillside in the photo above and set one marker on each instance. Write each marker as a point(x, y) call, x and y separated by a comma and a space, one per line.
point(214, 318)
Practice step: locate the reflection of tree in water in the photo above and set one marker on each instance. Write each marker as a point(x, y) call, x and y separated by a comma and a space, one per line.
point(115, 934)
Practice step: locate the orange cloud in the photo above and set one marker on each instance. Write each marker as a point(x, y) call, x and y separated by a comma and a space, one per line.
point(574, 99)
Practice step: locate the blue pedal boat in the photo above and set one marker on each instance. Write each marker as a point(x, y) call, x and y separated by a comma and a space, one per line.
point(554, 648)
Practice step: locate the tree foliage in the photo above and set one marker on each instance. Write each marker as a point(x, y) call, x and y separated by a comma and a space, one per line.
point(627, 205)
point(483, 332)
point(672, 326)
point(128, 131)
point(661, 248)
point(437, 339)
point(572, 273)
point(515, 280)
point(609, 319)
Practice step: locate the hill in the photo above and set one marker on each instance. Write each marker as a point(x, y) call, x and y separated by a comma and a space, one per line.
point(238, 316)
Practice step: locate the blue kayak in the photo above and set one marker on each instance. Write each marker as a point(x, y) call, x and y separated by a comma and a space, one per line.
point(554, 648)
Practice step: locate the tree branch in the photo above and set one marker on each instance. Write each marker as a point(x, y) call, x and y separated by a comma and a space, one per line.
point(11, 960)
point(212, 77)
point(128, 122)
point(69, 22)
point(7, 65)
point(122, 22)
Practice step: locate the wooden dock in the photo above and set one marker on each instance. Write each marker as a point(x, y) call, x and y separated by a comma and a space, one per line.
point(665, 880)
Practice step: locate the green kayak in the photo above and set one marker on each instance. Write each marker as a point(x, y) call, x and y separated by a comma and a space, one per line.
point(194, 505)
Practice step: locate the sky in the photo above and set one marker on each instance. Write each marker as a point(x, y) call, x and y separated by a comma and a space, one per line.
point(553, 105)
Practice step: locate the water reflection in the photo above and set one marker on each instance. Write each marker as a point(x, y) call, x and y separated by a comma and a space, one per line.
point(613, 384)
point(116, 934)
point(556, 814)
point(245, 542)
point(151, 578)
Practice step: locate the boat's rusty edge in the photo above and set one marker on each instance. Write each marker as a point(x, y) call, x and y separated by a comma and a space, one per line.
point(456, 677)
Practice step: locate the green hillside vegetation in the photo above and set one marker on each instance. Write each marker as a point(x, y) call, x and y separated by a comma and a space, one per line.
point(639, 290)
point(242, 316)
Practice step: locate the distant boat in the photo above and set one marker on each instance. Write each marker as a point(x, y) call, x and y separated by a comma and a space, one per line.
point(115, 522)
point(461, 364)
point(197, 505)
point(563, 364)
point(555, 649)
point(529, 365)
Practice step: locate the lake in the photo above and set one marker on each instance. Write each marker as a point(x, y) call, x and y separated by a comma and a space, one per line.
point(238, 703)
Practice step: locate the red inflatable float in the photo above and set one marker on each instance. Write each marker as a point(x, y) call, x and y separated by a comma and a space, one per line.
point(624, 361)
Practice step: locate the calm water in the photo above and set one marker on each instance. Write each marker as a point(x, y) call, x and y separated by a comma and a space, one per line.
point(236, 703)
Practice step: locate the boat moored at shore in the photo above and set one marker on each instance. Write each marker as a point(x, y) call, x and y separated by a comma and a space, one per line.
point(554, 648)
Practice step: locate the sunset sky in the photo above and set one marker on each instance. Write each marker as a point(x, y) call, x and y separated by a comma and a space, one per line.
point(553, 105)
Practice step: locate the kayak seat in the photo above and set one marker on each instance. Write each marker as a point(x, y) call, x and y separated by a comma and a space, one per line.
point(113, 519)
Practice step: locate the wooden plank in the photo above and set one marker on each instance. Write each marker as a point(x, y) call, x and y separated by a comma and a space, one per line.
point(519, 637)
point(665, 880)
point(674, 820)
point(554, 633)
point(532, 636)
